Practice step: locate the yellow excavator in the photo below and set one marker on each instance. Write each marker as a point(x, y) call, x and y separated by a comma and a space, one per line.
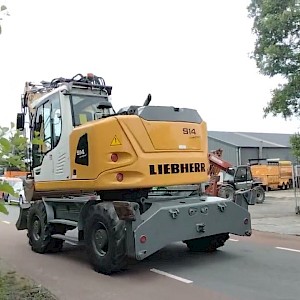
point(99, 171)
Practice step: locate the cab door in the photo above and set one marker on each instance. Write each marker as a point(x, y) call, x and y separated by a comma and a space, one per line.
point(50, 150)
point(41, 140)
point(61, 128)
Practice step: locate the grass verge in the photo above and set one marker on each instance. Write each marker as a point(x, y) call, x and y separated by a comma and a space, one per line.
point(15, 287)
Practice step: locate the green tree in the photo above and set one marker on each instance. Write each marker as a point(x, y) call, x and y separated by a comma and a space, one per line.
point(12, 154)
point(276, 24)
point(295, 143)
point(13, 148)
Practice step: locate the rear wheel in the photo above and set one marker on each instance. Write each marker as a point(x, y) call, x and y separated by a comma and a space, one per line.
point(207, 244)
point(283, 187)
point(226, 192)
point(105, 235)
point(39, 231)
point(260, 194)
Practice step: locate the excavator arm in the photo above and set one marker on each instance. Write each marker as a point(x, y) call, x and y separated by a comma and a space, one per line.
point(216, 162)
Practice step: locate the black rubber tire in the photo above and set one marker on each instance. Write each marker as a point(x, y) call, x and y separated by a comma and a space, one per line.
point(20, 200)
point(283, 187)
point(208, 243)
point(5, 197)
point(226, 192)
point(102, 219)
point(43, 243)
point(260, 194)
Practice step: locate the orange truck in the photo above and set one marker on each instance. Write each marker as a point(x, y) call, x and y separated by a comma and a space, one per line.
point(274, 173)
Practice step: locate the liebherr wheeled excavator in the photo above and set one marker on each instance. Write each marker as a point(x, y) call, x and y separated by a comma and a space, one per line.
point(96, 170)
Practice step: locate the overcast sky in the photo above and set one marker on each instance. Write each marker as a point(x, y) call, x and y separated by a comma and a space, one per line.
point(189, 53)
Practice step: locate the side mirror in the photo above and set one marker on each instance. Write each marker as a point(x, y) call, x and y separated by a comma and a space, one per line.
point(20, 121)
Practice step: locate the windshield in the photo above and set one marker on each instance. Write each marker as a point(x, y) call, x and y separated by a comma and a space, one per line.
point(89, 108)
point(228, 177)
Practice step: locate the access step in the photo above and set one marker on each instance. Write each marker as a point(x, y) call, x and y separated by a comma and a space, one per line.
point(64, 222)
point(69, 239)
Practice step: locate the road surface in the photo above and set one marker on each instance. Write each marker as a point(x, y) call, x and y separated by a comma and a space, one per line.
point(264, 266)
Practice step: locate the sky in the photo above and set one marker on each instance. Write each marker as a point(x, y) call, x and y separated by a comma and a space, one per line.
point(187, 53)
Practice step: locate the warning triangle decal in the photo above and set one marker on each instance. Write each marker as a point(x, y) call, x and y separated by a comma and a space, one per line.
point(115, 142)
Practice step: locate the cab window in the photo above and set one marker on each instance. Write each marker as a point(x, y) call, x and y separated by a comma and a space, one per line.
point(88, 108)
point(47, 129)
point(241, 175)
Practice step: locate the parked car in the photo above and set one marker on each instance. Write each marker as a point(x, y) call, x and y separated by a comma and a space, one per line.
point(17, 185)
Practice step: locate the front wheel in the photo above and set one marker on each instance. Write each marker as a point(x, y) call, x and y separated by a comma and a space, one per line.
point(39, 231)
point(208, 243)
point(4, 197)
point(260, 194)
point(226, 192)
point(105, 236)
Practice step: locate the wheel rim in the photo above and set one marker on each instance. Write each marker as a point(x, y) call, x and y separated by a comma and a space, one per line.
point(100, 239)
point(36, 229)
point(259, 195)
point(229, 194)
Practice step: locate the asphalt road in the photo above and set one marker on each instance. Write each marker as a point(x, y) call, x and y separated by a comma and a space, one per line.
point(263, 266)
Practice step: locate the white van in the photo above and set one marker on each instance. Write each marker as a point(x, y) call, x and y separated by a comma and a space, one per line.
point(17, 185)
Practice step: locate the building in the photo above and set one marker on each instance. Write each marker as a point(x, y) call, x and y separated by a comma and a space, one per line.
point(239, 147)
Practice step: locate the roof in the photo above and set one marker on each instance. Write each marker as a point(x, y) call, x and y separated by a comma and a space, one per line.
point(252, 139)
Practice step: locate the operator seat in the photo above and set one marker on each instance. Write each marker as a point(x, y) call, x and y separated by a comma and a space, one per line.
point(83, 117)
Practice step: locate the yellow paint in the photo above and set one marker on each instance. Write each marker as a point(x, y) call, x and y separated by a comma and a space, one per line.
point(115, 142)
point(139, 144)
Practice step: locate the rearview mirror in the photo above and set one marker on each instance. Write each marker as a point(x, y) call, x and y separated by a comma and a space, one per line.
point(20, 121)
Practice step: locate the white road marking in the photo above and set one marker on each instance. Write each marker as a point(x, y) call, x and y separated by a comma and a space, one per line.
point(171, 276)
point(233, 240)
point(6, 222)
point(288, 249)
